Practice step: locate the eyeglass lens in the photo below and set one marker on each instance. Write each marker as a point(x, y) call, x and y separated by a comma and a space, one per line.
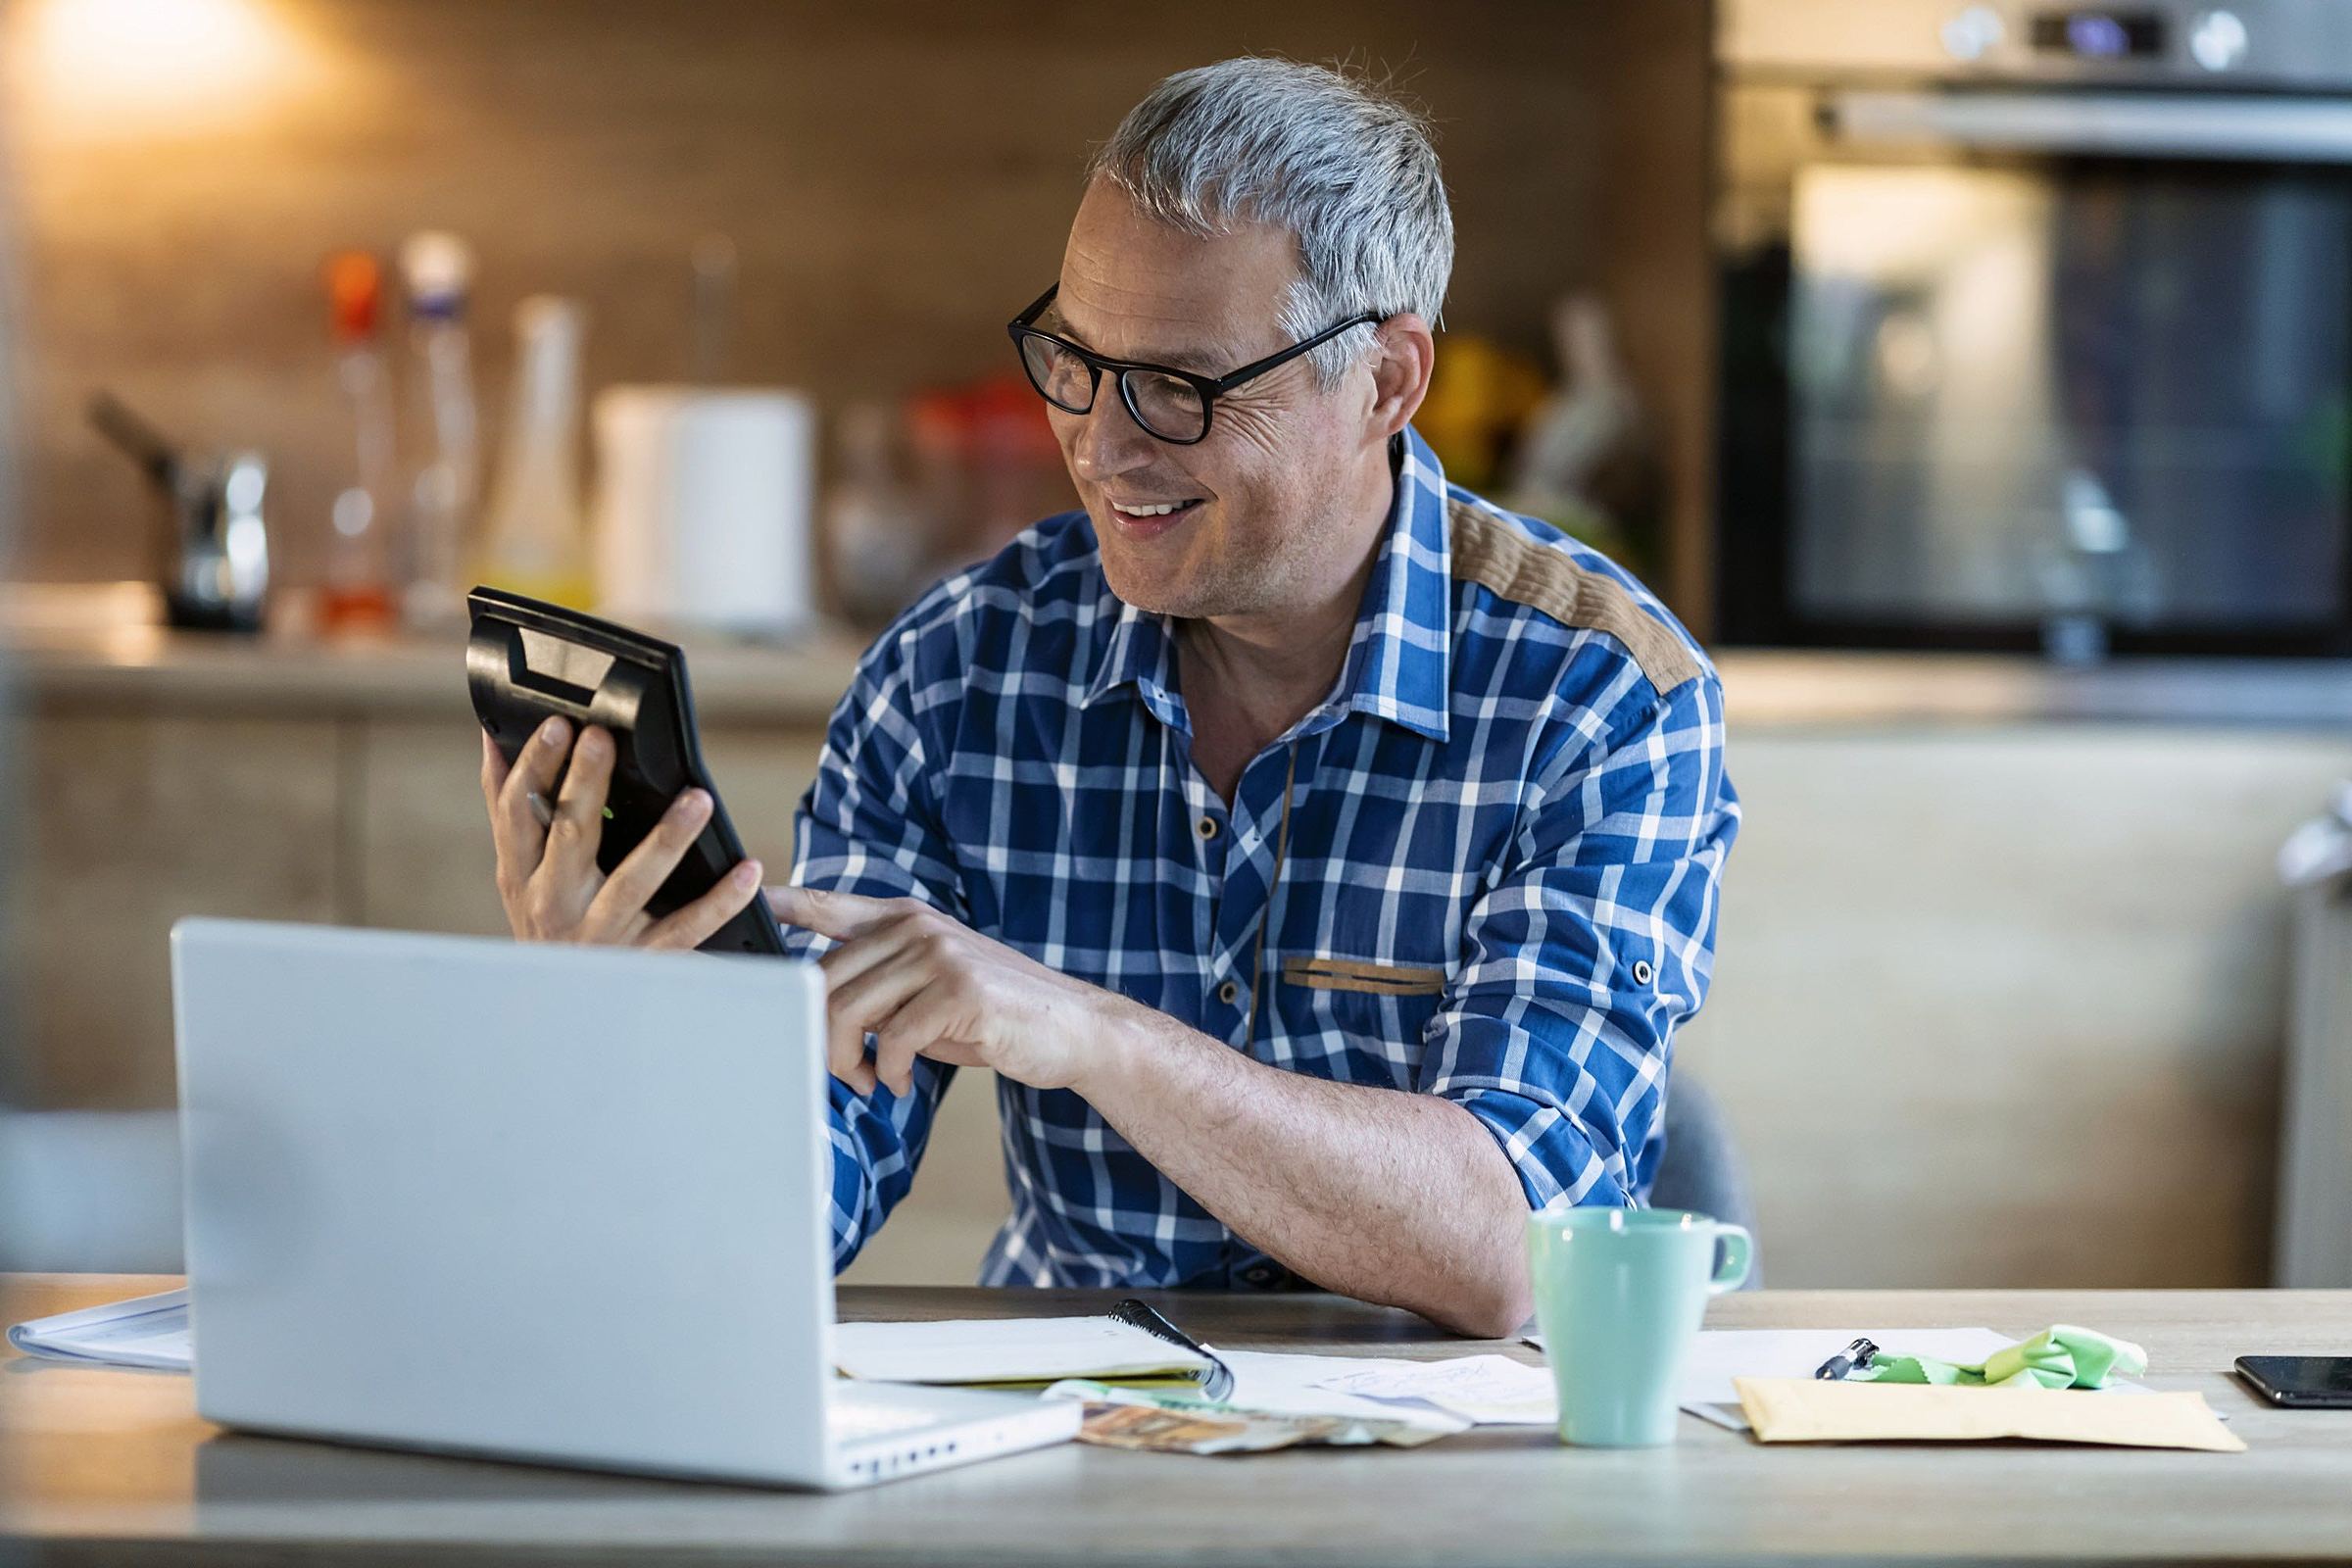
point(1067, 381)
point(1167, 406)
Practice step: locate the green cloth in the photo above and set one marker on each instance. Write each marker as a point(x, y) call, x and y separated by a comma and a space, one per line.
point(2059, 1357)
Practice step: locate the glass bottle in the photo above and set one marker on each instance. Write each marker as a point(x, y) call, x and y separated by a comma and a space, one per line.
point(358, 595)
point(537, 542)
point(444, 467)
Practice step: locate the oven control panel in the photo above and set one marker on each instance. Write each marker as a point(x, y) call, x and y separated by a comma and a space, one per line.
point(2238, 45)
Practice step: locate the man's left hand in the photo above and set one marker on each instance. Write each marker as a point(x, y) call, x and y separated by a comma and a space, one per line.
point(925, 984)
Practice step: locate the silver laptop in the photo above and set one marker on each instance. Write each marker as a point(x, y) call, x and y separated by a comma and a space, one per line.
point(553, 1203)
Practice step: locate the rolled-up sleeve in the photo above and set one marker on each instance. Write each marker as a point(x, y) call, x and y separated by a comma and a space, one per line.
point(1594, 943)
point(868, 825)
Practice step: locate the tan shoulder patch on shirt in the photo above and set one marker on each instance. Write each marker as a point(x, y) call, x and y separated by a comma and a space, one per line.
point(1491, 552)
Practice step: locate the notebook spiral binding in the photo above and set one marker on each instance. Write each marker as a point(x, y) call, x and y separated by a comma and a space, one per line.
point(1134, 1313)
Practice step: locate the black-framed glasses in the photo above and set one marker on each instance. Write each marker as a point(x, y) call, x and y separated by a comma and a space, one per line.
point(1172, 405)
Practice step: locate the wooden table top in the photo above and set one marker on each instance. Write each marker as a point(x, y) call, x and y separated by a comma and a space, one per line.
point(106, 1464)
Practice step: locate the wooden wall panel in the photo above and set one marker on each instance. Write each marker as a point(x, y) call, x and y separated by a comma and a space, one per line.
point(897, 176)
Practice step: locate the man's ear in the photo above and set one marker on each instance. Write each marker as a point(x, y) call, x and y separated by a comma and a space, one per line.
point(1402, 363)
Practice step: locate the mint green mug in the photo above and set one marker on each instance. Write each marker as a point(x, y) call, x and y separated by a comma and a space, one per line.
point(1619, 1295)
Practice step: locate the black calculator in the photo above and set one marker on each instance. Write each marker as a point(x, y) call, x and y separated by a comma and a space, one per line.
point(526, 660)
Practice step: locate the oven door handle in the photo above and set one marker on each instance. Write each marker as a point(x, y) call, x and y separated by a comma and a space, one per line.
point(2314, 130)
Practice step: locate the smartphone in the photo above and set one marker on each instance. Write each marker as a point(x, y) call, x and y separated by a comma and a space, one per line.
point(2300, 1382)
point(526, 660)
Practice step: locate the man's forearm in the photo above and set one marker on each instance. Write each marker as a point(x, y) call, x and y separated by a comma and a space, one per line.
point(1383, 1195)
point(1388, 1195)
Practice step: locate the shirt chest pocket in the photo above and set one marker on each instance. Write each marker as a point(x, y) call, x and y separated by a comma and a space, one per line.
point(1354, 1019)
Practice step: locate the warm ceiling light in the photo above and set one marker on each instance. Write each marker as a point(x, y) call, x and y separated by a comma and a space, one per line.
point(135, 64)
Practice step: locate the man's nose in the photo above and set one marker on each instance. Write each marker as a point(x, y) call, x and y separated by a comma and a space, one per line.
point(1109, 442)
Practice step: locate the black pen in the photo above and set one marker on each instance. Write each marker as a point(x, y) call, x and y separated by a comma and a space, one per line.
point(1137, 1313)
point(1852, 1358)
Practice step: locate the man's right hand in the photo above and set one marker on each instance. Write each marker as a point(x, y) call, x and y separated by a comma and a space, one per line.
point(548, 877)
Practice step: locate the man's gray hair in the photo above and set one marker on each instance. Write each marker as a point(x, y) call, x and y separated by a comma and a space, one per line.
point(1332, 158)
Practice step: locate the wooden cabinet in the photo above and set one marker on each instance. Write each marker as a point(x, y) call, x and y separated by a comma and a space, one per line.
point(1997, 1003)
point(417, 838)
point(134, 819)
point(127, 823)
point(2004, 1003)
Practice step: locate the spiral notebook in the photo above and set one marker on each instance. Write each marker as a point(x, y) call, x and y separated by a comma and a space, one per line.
point(1129, 1342)
point(146, 1330)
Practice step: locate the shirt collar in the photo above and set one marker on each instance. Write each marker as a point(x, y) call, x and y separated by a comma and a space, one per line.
point(1136, 654)
point(1397, 665)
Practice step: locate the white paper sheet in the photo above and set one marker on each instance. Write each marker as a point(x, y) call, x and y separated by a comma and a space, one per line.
point(1490, 1390)
point(1295, 1384)
point(146, 1330)
point(1018, 1350)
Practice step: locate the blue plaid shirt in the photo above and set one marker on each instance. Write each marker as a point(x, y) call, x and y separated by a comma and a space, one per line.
point(1485, 867)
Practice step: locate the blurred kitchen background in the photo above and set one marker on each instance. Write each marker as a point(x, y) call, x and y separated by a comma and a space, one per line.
point(1972, 378)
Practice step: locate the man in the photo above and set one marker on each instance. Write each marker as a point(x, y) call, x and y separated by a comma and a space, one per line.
point(1321, 858)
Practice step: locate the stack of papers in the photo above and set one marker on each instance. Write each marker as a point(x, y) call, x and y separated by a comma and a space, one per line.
point(146, 1330)
point(1496, 1391)
point(1443, 1395)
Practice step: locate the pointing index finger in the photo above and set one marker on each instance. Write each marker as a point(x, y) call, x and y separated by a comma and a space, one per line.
point(839, 916)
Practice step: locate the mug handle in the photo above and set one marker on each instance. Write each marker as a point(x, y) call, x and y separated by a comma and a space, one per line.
point(1739, 1257)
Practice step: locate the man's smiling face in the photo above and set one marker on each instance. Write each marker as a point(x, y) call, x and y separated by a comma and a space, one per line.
point(1271, 509)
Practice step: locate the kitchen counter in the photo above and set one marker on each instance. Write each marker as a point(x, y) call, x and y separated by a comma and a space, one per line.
point(1773, 688)
point(97, 646)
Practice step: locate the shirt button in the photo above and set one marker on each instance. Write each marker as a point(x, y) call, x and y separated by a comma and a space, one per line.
point(1258, 1274)
point(1227, 992)
point(1208, 828)
point(1642, 972)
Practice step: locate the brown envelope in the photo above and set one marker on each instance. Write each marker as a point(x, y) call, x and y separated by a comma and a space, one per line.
point(1824, 1411)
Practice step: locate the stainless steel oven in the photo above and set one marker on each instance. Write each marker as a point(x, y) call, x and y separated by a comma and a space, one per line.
point(2036, 326)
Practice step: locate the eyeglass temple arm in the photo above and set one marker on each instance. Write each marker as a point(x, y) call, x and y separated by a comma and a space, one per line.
point(1283, 357)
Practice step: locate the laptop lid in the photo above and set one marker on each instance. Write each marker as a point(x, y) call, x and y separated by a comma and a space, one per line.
point(533, 1200)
